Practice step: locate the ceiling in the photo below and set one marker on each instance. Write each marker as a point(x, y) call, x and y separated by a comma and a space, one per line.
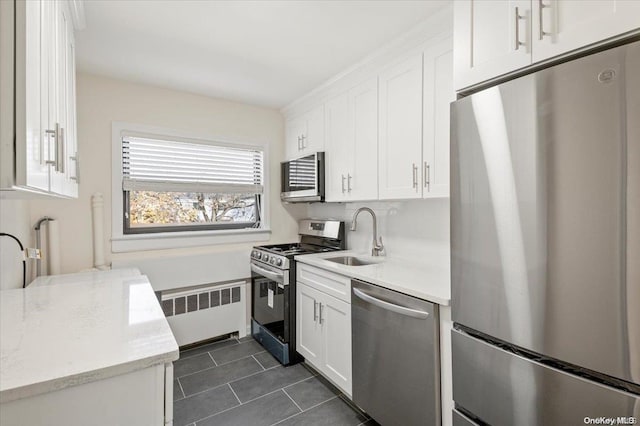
point(260, 52)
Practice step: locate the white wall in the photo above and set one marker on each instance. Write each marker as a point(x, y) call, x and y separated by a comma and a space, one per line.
point(14, 219)
point(103, 100)
point(411, 229)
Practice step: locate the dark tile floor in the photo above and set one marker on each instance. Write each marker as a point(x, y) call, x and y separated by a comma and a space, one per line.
point(235, 382)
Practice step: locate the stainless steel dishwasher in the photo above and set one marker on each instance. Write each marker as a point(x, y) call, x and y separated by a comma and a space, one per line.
point(396, 356)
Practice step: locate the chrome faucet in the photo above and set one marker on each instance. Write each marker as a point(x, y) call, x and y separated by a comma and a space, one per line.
point(377, 249)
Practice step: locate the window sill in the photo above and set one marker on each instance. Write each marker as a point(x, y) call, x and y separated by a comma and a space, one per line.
point(159, 241)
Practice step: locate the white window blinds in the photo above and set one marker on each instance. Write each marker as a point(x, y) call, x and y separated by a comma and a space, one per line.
point(176, 166)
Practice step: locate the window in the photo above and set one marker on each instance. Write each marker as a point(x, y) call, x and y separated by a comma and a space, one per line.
point(173, 184)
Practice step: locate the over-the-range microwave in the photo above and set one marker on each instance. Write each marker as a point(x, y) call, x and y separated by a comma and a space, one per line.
point(303, 179)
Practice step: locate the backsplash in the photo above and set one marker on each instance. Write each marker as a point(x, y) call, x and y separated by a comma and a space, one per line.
point(412, 229)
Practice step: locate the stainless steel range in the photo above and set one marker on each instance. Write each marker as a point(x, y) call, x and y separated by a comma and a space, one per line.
point(273, 289)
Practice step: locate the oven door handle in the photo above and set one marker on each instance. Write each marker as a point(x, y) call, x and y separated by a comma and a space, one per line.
point(277, 277)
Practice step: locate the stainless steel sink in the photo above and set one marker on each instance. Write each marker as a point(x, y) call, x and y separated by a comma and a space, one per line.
point(350, 261)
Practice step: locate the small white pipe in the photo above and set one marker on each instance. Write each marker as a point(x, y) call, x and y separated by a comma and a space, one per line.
point(97, 207)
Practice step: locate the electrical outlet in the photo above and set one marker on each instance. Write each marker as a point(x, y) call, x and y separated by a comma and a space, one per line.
point(33, 253)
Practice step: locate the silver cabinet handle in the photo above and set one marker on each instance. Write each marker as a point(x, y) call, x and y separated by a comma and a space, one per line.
point(60, 151)
point(427, 170)
point(415, 176)
point(518, 43)
point(541, 32)
point(349, 182)
point(299, 147)
point(320, 316)
point(343, 179)
point(54, 133)
point(402, 310)
point(76, 159)
point(302, 138)
point(315, 311)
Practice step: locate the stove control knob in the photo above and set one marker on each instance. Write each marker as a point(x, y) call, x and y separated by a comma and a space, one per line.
point(258, 255)
point(273, 260)
point(279, 262)
point(254, 253)
point(265, 257)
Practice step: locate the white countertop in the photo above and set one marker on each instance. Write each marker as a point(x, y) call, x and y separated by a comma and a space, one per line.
point(424, 281)
point(55, 336)
point(86, 277)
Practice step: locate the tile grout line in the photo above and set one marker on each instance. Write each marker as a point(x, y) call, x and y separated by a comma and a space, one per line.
point(185, 354)
point(234, 393)
point(241, 404)
point(254, 357)
point(224, 363)
point(181, 390)
point(235, 380)
point(215, 364)
point(256, 398)
point(296, 404)
point(304, 411)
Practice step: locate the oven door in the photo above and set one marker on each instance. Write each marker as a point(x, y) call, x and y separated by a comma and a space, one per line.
point(268, 288)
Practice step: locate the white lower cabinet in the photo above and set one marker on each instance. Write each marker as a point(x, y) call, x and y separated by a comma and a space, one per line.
point(323, 334)
point(141, 397)
point(335, 320)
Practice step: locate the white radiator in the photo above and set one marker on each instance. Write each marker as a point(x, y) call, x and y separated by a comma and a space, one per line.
point(203, 312)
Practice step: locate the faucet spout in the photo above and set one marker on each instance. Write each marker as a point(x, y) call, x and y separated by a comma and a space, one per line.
point(377, 248)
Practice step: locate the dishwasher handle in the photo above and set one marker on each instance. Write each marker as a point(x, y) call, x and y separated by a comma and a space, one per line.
point(403, 310)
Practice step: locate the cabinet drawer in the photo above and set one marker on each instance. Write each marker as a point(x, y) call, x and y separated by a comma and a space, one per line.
point(333, 284)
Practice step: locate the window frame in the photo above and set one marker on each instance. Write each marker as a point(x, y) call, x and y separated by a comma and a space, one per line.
point(123, 240)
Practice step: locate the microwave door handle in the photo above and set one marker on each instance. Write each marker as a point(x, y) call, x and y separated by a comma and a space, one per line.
point(267, 273)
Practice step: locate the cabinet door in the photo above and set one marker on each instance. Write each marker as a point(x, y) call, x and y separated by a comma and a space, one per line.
point(72, 159)
point(362, 177)
point(562, 25)
point(294, 129)
point(438, 94)
point(313, 134)
point(32, 141)
point(339, 148)
point(57, 97)
point(308, 331)
point(490, 39)
point(335, 317)
point(400, 130)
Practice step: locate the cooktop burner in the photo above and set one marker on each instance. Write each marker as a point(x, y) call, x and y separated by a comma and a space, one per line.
point(294, 249)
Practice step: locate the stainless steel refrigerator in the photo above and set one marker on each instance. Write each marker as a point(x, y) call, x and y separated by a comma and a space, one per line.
point(545, 242)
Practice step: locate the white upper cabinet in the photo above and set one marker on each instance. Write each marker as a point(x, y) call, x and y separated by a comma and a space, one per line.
point(46, 146)
point(362, 179)
point(32, 143)
point(560, 26)
point(438, 95)
point(400, 130)
point(352, 144)
point(338, 145)
point(305, 133)
point(491, 38)
point(496, 37)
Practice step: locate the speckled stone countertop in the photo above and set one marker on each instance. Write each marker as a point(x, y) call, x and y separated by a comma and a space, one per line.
point(56, 336)
point(425, 281)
